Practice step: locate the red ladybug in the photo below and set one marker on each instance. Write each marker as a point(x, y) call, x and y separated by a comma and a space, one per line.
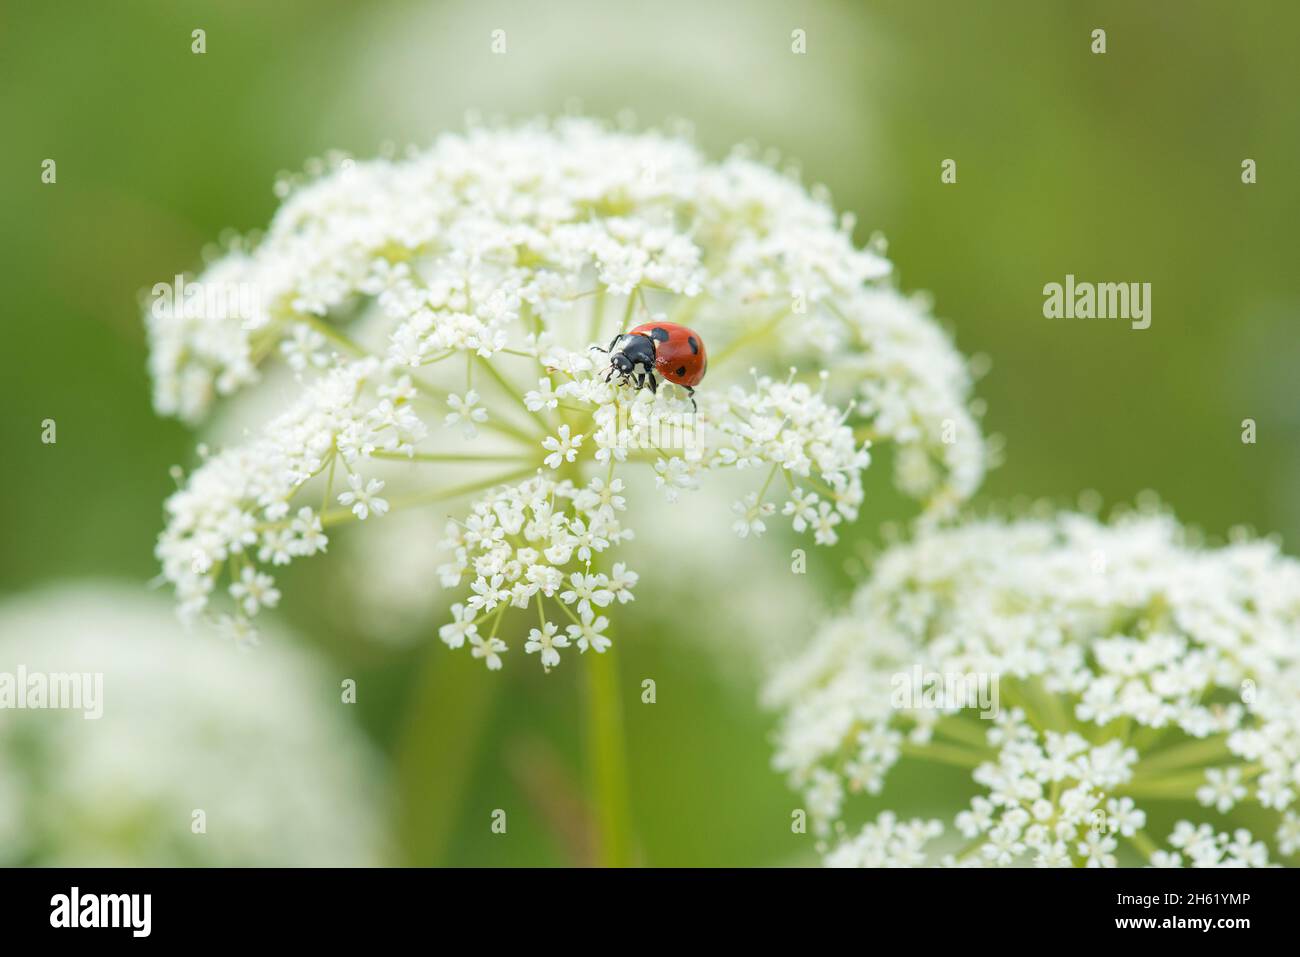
point(675, 352)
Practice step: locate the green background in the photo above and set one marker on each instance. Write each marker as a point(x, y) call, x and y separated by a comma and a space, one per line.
point(1119, 167)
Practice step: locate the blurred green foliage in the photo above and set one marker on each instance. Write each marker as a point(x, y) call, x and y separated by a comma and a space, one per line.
point(1122, 167)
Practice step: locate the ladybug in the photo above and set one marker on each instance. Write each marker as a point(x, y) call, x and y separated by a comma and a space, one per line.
point(674, 352)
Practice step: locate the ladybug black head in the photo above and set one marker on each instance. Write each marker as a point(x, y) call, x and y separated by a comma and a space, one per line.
point(621, 362)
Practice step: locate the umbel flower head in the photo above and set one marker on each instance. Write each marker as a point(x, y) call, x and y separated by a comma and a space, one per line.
point(1141, 676)
point(438, 311)
point(279, 774)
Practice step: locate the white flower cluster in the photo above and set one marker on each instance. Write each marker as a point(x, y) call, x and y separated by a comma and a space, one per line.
point(913, 387)
point(281, 777)
point(535, 541)
point(235, 511)
point(440, 308)
point(1133, 666)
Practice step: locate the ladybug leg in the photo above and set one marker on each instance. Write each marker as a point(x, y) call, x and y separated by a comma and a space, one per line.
point(691, 392)
point(654, 383)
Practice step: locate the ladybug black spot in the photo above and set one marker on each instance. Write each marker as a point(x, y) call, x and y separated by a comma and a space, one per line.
point(659, 334)
point(681, 370)
point(695, 346)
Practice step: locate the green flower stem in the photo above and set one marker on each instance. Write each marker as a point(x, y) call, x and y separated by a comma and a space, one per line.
point(607, 762)
point(332, 333)
point(329, 481)
point(1198, 751)
point(628, 311)
point(492, 424)
point(1010, 689)
point(756, 334)
point(1181, 787)
point(340, 515)
point(597, 317)
point(329, 331)
point(1145, 846)
point(452, 456)
point(434, 768)
point(965, 731)
point(516, 395)
point(945, 754)
point(605, 742)
point(1054, 707)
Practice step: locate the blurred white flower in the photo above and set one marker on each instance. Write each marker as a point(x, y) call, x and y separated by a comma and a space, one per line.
point(886, 842)
point(280, 774)
point(1134, 666)
point(385, 601)
point(489, 649)
point(493, 261)
point(466, 411)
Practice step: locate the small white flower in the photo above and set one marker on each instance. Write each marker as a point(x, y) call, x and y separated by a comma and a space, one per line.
point(489, 649)
point(802, 507)
point(751, 513)
point(1125, 818)
point(254, 591)
point(1098, 849)
point(1055, 854)
point(589, 634)
point(1222, 790)
point(562, 447)
point(363, 497)
point(543, 397)
point(824, 525)
point(548, 642)
point(306, 348)
point(310, 537)
point(488, 593)
point(1274, 791)
point(461, 626)
point(1004, 844)
point(621, 582)
point(587, 589)
point(601, 497)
